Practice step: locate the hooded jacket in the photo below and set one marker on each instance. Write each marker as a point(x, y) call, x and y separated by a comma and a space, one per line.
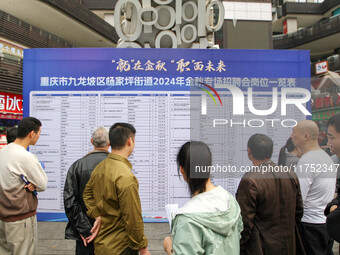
point(210, 223)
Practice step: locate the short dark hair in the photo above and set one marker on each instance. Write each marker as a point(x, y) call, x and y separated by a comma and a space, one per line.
point(27, 125)
point(119, 134)
point(11, 134)
point(190, 155)
point(334, 121)
point(261, 146)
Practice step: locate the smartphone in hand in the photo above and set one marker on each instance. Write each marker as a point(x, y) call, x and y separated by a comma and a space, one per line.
point(27, 182)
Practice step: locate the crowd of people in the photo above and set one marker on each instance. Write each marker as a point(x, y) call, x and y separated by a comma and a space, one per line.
point(274, 212)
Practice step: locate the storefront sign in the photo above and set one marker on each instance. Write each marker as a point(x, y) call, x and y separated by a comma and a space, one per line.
point(326, 102)
point(321, 67)
point(325, 115)
point(10, 106)
point(11, 49)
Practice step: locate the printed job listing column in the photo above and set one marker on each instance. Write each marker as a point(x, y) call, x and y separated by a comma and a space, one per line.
point(159, 144)
point(223, 141)
point(139, 115)
point(113, 108)
point(71, 136)
point(179, 131)
point(89, 120)
point(47, 107)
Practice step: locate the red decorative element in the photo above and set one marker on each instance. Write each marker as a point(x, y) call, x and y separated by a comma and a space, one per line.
point(327, 101)
point(285, 28)
point(318, 102)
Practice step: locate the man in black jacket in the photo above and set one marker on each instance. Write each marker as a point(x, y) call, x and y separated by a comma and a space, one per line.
point(332, 210)
point(79, 226)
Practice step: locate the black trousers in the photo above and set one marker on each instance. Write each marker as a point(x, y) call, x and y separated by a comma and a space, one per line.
point(89, 250)
point(315, 239)
point(129, 251)
point(82, 250)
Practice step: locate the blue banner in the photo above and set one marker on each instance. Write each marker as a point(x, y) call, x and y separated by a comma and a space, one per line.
point(52, 77)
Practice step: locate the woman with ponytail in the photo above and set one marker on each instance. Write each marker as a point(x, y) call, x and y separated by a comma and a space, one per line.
point(289, 155)
point(210, 222)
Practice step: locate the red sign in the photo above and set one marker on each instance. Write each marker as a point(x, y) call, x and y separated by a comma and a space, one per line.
point(10, 104)
point(285, 29)
point(326, 102)
point(321, 67)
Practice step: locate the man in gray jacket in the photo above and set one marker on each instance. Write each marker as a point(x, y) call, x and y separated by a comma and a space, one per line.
point(79, 226)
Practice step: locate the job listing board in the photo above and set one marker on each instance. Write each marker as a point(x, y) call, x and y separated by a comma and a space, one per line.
point(164, 120)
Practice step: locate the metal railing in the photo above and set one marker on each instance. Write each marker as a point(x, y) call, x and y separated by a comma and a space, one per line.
point(26, 34)
point(81, 13)
point(319, 30)
point(10, 74)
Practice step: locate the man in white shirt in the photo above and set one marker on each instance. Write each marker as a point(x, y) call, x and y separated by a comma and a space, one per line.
point(317, 177)
point(18, 206)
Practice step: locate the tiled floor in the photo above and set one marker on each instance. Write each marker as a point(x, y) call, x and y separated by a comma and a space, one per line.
point(51, 238)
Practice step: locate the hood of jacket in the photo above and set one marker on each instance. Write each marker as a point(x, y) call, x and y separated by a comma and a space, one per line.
point(217, 210)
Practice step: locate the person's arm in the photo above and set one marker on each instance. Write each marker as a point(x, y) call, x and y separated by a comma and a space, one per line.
point(187, 237)
point(35, 173)
point(30, 187)
point(331, 206)
point(305, 178)
point(73, 209)
point(167, 245)
point(94, 231)
point(92, 210)
point(130, 206)
point(88, 197)
point(246, 197)
point(144, 251)
point(299, 203)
